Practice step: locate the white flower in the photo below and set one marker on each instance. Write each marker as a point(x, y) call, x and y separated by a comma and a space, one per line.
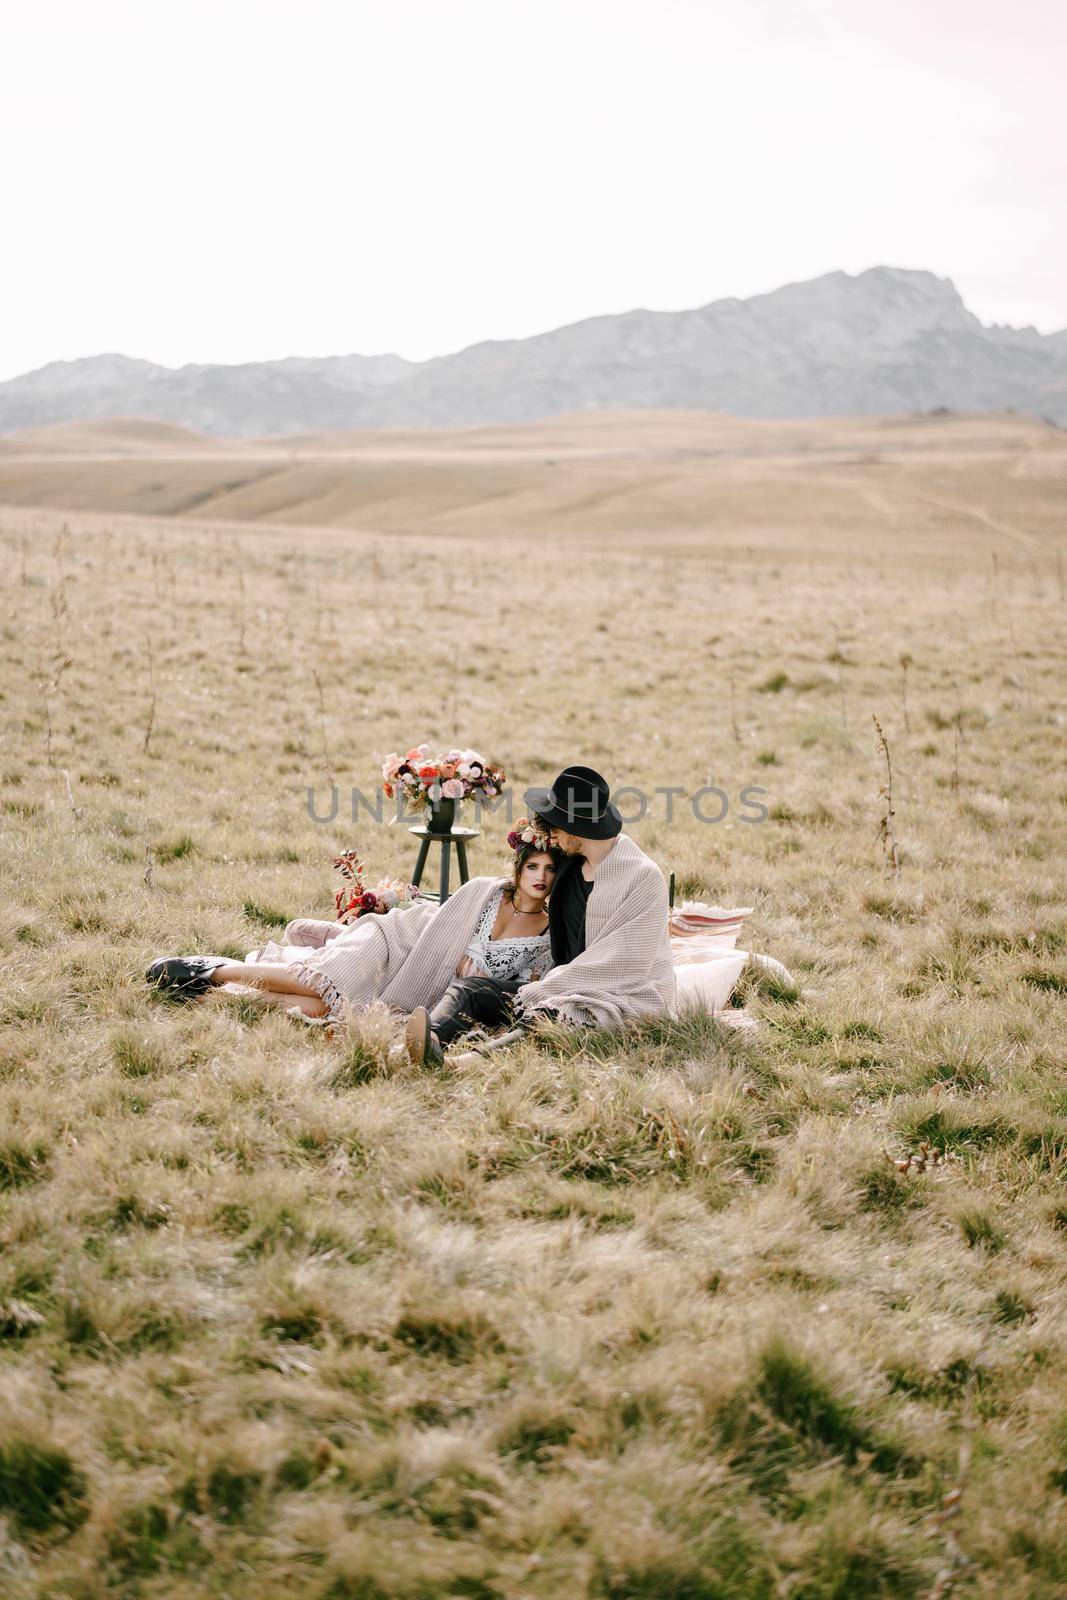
point(528, 836)
point(434, 792)
point(463, 770)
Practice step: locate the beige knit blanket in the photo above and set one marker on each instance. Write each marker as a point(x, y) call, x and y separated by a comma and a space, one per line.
point(627, 967)
point(409, 957)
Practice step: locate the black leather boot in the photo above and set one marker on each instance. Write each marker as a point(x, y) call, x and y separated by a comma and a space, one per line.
point(188, 976)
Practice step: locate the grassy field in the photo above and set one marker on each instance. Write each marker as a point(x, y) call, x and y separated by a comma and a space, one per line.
point(648, 1316)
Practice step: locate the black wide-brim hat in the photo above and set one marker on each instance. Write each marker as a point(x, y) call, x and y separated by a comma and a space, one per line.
point(579, 802)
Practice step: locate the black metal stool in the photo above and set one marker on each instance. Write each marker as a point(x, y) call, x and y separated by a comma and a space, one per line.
point(457, 837)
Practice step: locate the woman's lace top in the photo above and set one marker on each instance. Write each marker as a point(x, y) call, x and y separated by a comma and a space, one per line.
point(506, 958)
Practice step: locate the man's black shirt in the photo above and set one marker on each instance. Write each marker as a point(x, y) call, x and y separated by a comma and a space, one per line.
point(566, 911)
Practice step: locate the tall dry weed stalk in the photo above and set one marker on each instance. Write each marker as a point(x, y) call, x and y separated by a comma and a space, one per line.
point(957, 739)
point(150, 721)
point(49, 680)
point(1023, 684)
point(886, 830)
point(57, 596)
point(905, 662)
point(733, 712)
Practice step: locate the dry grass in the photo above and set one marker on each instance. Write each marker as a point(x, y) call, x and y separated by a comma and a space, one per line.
point(621, 1315)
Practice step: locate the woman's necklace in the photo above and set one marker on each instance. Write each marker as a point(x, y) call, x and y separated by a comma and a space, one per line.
point(539, 911)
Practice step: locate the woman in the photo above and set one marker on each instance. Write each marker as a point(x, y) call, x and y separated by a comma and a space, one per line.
point(491, 932)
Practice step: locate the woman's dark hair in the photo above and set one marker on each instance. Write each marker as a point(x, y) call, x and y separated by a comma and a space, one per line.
point(522, 855)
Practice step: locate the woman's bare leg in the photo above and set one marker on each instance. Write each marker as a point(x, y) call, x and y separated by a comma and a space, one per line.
point(312, 1005)
point(262, 975)
point(275, 983)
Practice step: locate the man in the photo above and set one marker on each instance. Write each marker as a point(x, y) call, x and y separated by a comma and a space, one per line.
point(608, 915)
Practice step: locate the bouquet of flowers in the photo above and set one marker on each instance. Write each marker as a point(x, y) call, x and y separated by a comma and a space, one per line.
point(422, 778)
point(353, 899)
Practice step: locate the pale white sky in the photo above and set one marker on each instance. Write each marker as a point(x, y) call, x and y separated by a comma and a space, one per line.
point(233, 180)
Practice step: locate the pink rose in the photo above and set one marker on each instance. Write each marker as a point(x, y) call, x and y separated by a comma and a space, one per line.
point(452, 789)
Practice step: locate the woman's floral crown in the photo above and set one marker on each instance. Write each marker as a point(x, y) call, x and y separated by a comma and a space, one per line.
point(526, 831)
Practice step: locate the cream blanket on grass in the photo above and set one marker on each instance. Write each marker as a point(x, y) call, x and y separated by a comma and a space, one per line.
point(640, 958)
point(409, 957)
point(406, 958)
